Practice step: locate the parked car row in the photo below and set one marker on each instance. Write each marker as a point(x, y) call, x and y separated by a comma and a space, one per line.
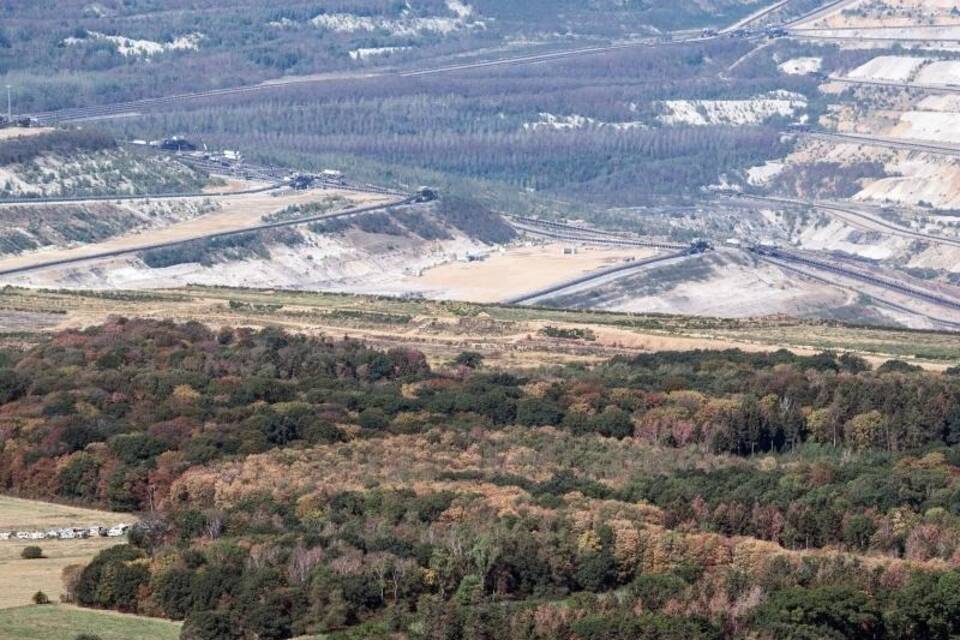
point(68, 533)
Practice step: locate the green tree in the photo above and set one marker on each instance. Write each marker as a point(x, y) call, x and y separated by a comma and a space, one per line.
point(211, 625)
point(857, 532)
point(840, 612)
point(613, 422)
point(535, 412)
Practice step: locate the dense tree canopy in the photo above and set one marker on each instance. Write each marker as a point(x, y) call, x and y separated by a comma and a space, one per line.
point(304, 485)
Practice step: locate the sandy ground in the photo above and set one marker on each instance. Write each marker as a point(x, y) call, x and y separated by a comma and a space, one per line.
point(888, 68)
point(20, 132)
point(939, 72)
point(801, 66)
point(735, 289)
point(515, 271)
point(912, 177)
point(944, 38)
point(236, 213)
point(232, 185)
point(888, 13)
point(914, 181)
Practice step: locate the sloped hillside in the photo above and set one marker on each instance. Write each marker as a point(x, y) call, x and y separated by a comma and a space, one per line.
point(303, 486)
point(106, 46)
point(365, 253)
point(30, 227)
point(56, 163)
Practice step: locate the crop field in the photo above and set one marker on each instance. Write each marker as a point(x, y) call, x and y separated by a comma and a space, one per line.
point(19, 578)
point(59, 622)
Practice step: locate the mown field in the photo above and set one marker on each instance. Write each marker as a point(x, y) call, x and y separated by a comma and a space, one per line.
point(30, 514)
point(19, 578)
point(60, 622)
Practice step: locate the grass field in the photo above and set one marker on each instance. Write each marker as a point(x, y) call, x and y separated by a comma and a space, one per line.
point(20, 579)
point(16, 513)
point(509, 336)
point(60, 622)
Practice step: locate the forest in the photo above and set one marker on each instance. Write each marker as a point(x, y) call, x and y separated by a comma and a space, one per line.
point(293, 485)
point(483, 130)
point(58, 52)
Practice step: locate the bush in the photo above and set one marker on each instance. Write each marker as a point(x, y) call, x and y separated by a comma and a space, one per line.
point(109, 581)
point(613, 423)
point(86, 636)
point(209, 625)
point(475, 220)
point(898, 366)
point(31, 553)
point(21, 150)
point(373, 419)
point(469, 359)
point(40, 598)
point(536, 412)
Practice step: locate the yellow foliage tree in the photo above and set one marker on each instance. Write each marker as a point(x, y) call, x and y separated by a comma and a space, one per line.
point(864, 430)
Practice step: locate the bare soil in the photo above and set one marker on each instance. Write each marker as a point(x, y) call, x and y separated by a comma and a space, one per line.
point(515, 271)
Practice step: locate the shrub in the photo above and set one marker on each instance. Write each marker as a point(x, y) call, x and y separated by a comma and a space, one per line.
point(108, 580)
point(373, 419)
point(613, 423)
point(898, 366)
point(209, 625)
point(31, 553)
point(21, 150)
point(475, 220)
point(535, 412)
point(469, 359)
point(40, 598)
